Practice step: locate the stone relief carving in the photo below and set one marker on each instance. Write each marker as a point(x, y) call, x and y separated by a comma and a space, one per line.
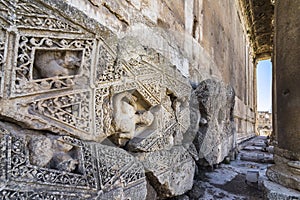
point(40, 68)
point(30, 194)
point(55, 154)
point(21, 169)
point(130, 117)
point(32, 15)
point(49, 64)
point(71, 109)
point(7, 13)
point(111, 68)
point(68, 95)
point(170, 171)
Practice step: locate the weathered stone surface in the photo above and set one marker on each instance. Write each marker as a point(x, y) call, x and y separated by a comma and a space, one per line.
point(282, 174)
point(215, 136)
point(73, 168)
point(286, 170)
point(151, 193)
point(273, 190)
point(170, 172)
point(76, 73)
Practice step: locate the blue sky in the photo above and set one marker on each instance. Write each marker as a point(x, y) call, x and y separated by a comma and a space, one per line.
point(264, 85)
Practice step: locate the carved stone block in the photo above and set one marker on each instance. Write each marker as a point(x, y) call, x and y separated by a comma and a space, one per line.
point(214, 138)
point(66, 164)
point(170, 172)
point(67, 88)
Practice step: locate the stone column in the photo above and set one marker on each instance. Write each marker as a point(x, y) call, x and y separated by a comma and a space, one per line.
point(286, 94)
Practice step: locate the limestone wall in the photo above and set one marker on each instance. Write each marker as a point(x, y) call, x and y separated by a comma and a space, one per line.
point(202, 38)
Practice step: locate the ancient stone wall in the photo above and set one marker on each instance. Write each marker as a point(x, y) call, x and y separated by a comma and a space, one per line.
point(202, 38)
point(111, 98)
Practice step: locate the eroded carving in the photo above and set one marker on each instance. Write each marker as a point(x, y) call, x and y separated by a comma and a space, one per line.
point(170, 171)
point(71, 109)
point(54, 154)
point(40, 68)
point(72, 90)
point(49, 63)
point(132, 170)
point(110, 68)
point(30, 194)
point(131, 115)
point(31, 15)
point(42, 159)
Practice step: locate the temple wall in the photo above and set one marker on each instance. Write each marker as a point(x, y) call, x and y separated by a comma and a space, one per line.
point(115, 99)
point(203, 39)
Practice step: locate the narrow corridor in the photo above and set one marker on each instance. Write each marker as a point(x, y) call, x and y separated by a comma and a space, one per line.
point(240, 179)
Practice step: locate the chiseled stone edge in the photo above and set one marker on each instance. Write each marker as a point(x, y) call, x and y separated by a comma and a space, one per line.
point(282, 175)
point(273, 191)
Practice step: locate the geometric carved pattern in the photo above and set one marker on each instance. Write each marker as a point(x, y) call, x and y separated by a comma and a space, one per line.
point(103, 106)
point(19, 167)
point(17, 194)
point(164, 161)
point(6, 13)
point(29, 59)
point(71, 109)
point(66, 80)
point(125, 170)
point(65, 62)
point(109, 68)
point(145, 81)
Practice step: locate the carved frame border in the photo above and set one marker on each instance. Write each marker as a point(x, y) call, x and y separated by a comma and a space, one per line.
point(23, 84)
point(15, 165)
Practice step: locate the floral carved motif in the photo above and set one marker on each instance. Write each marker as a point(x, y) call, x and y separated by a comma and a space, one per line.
point(30, 15)
point(109, 68)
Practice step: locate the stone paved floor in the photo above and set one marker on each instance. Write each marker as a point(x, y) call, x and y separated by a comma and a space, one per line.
point(241, 179)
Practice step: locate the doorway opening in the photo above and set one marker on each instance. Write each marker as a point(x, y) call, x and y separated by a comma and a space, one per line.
point(264, 97)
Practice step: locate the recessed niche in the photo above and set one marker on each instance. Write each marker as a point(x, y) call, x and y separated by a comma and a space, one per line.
point(54, 63)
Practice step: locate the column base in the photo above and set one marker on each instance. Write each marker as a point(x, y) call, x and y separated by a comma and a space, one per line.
point(273, 191)
point(286, 170)
point(282, 175)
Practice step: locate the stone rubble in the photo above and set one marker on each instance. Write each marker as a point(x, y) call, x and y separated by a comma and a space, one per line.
point(240, 179)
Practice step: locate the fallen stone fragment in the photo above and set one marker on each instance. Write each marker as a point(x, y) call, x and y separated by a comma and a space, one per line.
point(215, 136)
point(170, 172)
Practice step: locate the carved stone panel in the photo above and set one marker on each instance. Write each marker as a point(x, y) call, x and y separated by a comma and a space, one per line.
point(170, 171)
point(74, 106)
point(137, 104)
point(33, 15)
point(119, 171)
point(79, 171)
point(6, 13)
point(109, 67)
point(46, 64)
point(70, 109)
point(68, 166)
